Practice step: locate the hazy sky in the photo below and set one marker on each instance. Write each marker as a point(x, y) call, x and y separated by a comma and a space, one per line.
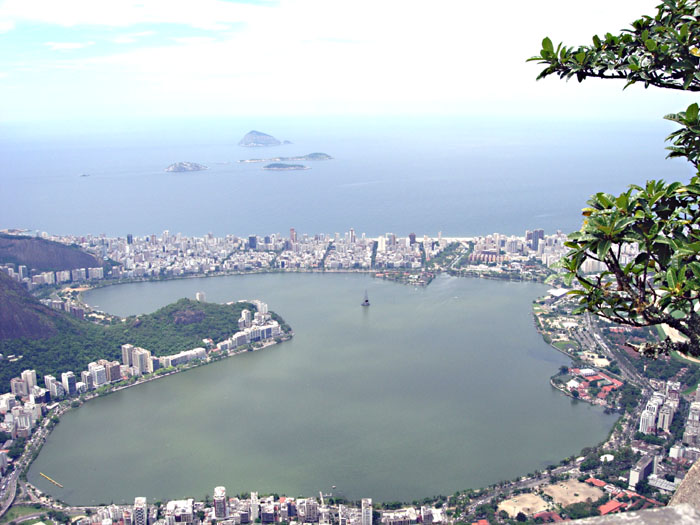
point(101, 59)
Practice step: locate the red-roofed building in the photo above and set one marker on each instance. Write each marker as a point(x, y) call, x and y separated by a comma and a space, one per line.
point(611, 506)
point(481, 522)
point(548, 517)
point(596, 482)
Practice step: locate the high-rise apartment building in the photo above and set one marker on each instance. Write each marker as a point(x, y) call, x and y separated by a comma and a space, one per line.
point(366, 511)
point(68, 381)
point(220, 503)
point(141, 361)
point(29, 377)
point(127, 358)
point(140, 515)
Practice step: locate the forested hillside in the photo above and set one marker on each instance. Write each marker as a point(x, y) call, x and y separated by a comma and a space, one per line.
point(70, 344)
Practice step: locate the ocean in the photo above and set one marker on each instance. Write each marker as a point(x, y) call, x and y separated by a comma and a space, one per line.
point(457, 176)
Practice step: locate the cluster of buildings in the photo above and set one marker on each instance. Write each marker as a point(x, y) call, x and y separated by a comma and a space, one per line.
point(252, 328)
point(658, 413)
point(172, 255)
point(498, 252)
point(691, 436)
point(20, 416)
point(592, 385)
point(225, 510)
point(167, 255)
point(496, 249)
point(620, 499)
point(661, 471)
point(31, 279)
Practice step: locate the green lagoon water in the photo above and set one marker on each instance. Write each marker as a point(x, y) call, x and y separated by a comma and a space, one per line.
point(428, 391)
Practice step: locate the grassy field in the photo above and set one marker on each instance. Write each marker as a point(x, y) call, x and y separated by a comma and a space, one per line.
point(565, 345)
point(17, 512)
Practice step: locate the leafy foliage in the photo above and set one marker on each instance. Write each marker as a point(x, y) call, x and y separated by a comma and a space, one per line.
point(657, 51)
point(661, 285)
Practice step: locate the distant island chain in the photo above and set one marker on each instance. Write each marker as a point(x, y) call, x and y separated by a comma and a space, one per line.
point(257, 139)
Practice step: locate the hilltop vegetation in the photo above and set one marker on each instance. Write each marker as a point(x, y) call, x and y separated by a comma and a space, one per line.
point(43, 255)
point(66, 343)
point(180, 326)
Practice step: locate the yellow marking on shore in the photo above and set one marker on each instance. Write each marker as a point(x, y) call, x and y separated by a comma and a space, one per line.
point(51, 480)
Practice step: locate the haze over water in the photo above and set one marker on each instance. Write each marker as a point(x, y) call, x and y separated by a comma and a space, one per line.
point(461, 176)
point(427, 391)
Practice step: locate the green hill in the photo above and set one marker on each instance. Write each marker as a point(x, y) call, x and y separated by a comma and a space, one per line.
point(52, 342)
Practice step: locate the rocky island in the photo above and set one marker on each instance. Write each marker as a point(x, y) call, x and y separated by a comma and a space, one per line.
point(279, 166)
point(257, 139)
point(310, 156)
point(180, 167)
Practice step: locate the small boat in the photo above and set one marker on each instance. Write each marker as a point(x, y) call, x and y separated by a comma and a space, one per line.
point(366, 301)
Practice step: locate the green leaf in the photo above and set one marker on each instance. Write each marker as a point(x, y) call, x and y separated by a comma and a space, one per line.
point(691, 114)
point(650, 44)
point(671, 278)
point(547, 45)
point(596, 41)
point(695, 268)
point(688, 81)
point(603, 249)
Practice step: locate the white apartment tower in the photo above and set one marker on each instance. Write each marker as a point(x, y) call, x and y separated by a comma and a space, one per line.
point(220, 504)
point(140, 515)
point(367, 511)
point(254, 506)
point(29, 377)
point(665, 418)
point(126, 355)
point(647, 422)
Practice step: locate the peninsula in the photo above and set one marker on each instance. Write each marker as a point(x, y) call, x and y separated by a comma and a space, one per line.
point(258, 139)
point(299, 158)
point(279, 166)
point(180, 167)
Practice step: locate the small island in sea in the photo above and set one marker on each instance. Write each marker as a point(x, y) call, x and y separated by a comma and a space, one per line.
point(279, 166)
point(258, 139)
point(180, 167)
point(310, 156)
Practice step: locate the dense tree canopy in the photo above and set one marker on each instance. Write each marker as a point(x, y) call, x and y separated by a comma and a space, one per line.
point(661, 284)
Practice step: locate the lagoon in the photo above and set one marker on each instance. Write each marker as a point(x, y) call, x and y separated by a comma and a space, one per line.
point(429, 390)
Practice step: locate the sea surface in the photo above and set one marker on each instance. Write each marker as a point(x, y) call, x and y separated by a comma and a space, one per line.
point(460, 176)
point(427, 391)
